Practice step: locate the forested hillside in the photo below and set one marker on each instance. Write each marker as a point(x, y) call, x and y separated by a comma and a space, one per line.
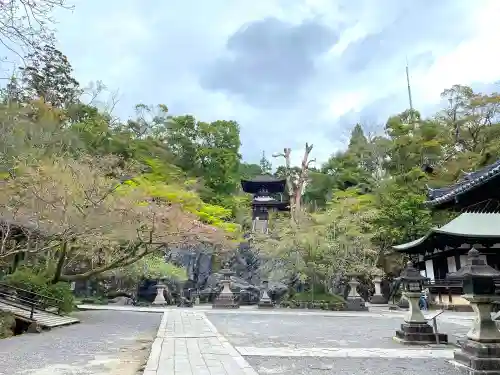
point(369, 196)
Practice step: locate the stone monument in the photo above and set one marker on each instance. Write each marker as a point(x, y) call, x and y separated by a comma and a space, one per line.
point(480, 352)
point(415, 330)
point(354, 300)
point(226, 298)
point(377, 298)
point(265, 301)
point(160, 298)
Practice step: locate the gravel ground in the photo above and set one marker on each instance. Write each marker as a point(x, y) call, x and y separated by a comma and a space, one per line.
point(104, 343)
point(315, 331)
point(286, 331)
point(350, 366)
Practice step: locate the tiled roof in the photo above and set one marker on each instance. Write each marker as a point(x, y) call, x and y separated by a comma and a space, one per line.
point(468, 225)
point(265, 178)
point(468, 183)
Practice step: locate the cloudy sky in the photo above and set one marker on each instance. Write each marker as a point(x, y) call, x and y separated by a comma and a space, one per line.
point(289, 71)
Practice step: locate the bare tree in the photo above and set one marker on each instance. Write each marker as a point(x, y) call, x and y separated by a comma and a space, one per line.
point(93, 94)
point(27, 24)
point(296, 184)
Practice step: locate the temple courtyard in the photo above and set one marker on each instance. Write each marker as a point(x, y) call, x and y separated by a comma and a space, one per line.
point(201, 341)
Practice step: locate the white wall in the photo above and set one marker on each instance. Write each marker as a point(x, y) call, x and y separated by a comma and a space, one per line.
point(452, 265)
point(429, 268)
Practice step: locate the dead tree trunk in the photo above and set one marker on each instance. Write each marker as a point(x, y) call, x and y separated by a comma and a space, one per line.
point(296, 188)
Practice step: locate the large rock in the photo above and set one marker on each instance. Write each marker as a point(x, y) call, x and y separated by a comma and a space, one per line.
point(277, 290)
point(198, 265)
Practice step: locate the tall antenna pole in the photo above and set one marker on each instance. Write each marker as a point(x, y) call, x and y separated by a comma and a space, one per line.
point(409, 86)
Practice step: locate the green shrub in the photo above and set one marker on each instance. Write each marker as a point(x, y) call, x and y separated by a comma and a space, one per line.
point(26, 279)
point(62, 292)
point(316, 297)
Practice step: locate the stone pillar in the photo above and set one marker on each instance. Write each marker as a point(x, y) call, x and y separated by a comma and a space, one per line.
point(415, 330)
point(377, 298)
point(480, 352)
point(160, 298)
point(265, 302)
point(354, 300)
point(225, 299)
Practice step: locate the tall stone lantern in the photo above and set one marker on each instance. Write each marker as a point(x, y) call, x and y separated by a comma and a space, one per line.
point(354, 301)
point(160, 298)
point(378, 298)
point(480, 352)
point(265, 301)
point(226, 298)
point(415, 329)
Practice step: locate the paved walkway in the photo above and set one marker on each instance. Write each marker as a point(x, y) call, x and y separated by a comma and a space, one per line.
point(187, 343)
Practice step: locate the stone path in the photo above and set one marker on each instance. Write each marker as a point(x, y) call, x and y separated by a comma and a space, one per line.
point(104, 343)
point(187, 343)
point(348, 343)
point(248, 341)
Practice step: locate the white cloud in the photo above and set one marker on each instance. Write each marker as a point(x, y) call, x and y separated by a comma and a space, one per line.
point(474, 60)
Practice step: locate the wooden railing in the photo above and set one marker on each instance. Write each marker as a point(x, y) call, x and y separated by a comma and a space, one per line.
point(27, 300)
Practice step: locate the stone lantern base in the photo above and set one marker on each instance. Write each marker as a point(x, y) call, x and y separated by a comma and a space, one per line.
point(224, 301)
point(378, 299)
point(419, 334)
point(356, 304)
point(475, 358)
point(265, 301)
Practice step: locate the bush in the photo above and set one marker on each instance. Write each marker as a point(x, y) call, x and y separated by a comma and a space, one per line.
point(308, 300)
point(317, 305)
point(308, 297)
point(26, 279)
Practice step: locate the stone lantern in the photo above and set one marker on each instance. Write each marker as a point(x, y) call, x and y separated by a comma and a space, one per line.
point(160, 298)
point(480, 352)
point(226, 298)
point(265, 302)
point(354, 300)
point(415, 329)
point(377, 298)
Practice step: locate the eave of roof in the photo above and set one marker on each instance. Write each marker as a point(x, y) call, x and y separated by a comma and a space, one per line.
point(467, 225)
point(474, 180)
point(264, 178)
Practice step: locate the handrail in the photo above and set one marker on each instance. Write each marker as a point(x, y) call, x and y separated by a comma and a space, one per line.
point(34, 296)
point(31, 303)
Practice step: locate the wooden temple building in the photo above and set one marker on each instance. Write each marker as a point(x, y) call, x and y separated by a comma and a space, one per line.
point(443, 251)
point(268, 195)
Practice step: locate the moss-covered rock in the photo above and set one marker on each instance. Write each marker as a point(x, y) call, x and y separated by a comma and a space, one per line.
point(7, 325)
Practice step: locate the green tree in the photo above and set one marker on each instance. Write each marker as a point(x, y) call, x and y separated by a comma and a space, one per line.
point(265, 165)
point(48, 76)
point(219, 157)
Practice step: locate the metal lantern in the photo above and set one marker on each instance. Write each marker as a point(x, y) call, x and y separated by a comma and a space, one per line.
point(478, 278)
point(411, 279)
